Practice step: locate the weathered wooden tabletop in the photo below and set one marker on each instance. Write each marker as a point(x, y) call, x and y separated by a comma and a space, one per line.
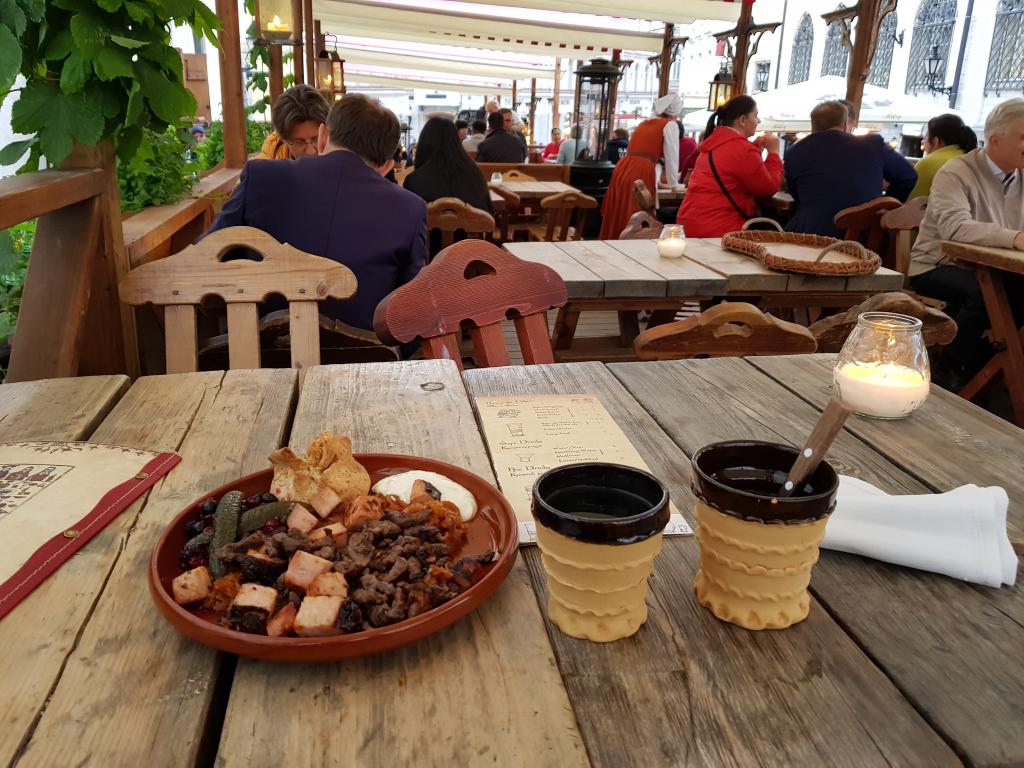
point(535, 190)
point(892, 666)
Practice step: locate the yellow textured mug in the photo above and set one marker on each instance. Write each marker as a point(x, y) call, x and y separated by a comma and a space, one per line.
point(599, 528)
point(756, 548)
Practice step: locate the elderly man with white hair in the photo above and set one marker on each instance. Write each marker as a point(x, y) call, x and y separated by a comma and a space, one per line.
point(977, 198)
point(655, 140)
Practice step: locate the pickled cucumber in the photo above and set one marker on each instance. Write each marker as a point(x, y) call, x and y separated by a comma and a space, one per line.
point(257, 517)
point(225, 529)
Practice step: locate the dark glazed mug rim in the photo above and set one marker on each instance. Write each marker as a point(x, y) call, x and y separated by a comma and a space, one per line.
point(622, 530)
point(765, 508)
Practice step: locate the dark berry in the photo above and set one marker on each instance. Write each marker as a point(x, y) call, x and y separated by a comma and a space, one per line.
point(268, 498)
point(273, 526)
point(210, 506)
point(194, 528)
point(196, 561)
point(253, 501)
point(207, 521)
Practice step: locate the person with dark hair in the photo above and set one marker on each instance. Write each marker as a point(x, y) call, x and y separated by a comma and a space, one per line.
point(654, 141)
point(443, 169)
point(296, 116)
point(617, 144)
point(500, 146)
point(472, 142)
point(338, 205)
point(831, 170)
point(551, 150)
point(729, 174)
point(462, 127)
point(852, 115)
point(947, 137)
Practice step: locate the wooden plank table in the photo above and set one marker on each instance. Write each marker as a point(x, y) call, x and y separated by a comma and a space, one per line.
point(989, 265)
point(893, 666)
point(780, 201)
point(628, 276)
point(532, 192)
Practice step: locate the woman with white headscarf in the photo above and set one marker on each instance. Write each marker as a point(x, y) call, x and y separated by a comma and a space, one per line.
point(655, 140)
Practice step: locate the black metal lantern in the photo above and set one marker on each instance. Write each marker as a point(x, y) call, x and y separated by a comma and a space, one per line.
point(721, 88)
point(330, 74)
point(934, 71)
point(275, 22)
point(594, 110)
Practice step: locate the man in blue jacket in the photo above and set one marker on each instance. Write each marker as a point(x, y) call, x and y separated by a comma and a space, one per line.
point(831, 170)
point(339, 205)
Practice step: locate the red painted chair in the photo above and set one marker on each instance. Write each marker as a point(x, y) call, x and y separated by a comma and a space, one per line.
point(476, 283)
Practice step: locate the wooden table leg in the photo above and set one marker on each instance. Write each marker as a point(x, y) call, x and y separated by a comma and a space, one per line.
point(1000, 315)
point(565, 327)
point(629, 327)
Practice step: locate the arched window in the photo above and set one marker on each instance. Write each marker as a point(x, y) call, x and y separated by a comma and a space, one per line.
point(836, 54)
point(1006, 57)
point(881, 65)
point(803, 42)
point(933, 28)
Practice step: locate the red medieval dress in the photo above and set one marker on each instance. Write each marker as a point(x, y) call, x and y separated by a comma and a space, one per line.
point(646, 148)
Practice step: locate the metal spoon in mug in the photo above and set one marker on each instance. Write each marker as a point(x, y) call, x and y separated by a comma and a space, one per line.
point(817, 445)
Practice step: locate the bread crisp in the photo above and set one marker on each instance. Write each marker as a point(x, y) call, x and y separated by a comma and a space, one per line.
point(328, 462)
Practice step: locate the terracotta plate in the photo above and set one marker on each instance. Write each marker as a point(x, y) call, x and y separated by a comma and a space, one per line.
point(493, 527)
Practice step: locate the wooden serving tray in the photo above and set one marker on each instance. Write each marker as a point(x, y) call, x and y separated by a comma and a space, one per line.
point(804, 254)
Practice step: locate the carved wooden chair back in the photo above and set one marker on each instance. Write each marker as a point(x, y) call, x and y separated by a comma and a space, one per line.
point(937, 328)
point(517, 175)
point(863, 223)
point(179, 283)
point(566, 213)
point(449, 215)
point(732, 329)
point(508, 217)
point(641, 226)
point(644, 198)
point(903, 221)
point(478, 284)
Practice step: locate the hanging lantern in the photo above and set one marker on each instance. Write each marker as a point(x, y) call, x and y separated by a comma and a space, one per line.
point(721, 88)
point(276, 23)
point(594, 110)
point(325, 74)
point(338, 70)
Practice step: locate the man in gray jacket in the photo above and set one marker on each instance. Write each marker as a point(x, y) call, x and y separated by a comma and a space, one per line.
point(979, 199)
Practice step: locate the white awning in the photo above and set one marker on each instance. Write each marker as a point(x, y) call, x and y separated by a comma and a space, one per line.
point(452, 65)
point(369, 19)
point(355, 79)
point(674, 11)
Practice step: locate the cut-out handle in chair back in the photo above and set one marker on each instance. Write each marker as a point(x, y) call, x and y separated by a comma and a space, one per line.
point(937, 327)
point(641, 226)
point(476, 282)
point(731, 329)
point(179, 283)
point(450, 214)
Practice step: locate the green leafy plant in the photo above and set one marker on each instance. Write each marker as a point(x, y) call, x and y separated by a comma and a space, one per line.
point(161, 172)
point(94, 69)
point(211, 151)
point(15, 247)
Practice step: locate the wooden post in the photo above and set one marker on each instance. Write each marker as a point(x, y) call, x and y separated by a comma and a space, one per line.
point(557, 94)
point(298, 65)
point(613, 91)
point(232, 104)
point(665, 62)
point(742, 57)
point(307, 23)
point(533, 108)
point(276, 73)
point(870, 14)
point(515, 95)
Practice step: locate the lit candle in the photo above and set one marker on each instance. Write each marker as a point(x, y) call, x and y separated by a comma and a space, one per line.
point(672, 242)
point(276, 25)
point(883, 390)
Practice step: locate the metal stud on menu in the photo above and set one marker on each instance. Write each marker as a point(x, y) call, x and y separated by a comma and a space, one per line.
point(529, 435)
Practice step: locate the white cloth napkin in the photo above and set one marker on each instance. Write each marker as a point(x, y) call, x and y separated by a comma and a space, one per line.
point(960, 534)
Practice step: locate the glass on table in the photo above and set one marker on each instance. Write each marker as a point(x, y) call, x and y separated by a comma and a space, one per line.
point(672, 242)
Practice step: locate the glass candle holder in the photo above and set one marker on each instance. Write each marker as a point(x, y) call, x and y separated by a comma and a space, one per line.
point(496, 178)
point(672, 242)
point(882, 370)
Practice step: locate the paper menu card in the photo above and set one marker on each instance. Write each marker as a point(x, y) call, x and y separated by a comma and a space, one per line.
point(530, 434)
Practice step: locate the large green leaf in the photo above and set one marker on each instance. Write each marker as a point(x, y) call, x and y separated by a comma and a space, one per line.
point(57, 119)
point(168, 101)
point(34, 9)
point(113, 62)
point(138, 11)
point(10, 59)
point(207, 23)
point(59, 46)
point(74, 73)
point(111, 98)
point(110, 5)
point(135, 105)
point(178, 9)
point(8, 255)
point(14, 151)
point(127, 42)
point(88, 34)
point(12, 16)
point(128, 141)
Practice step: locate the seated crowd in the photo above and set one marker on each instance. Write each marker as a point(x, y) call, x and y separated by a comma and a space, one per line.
point(335, 199)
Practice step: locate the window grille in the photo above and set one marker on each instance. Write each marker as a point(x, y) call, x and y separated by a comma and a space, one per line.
point(803, 42)
point(932, 27)
point(836, 54)
point(881, 65)
point(1006, 56)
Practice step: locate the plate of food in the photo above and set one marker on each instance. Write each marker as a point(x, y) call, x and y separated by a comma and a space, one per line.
point(333, 554)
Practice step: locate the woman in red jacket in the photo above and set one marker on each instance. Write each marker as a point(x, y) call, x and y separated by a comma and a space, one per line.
point(730, 174)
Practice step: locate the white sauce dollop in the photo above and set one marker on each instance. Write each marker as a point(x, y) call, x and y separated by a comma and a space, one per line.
point(401, 486)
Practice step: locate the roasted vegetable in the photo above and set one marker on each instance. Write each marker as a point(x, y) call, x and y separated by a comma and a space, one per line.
point(257, 517)
point(196, 550)
point(225, 528)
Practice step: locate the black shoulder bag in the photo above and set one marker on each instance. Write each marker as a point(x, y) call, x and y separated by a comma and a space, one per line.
point(721, 186)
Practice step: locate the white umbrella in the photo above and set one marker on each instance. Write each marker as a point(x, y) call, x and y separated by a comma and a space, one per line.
point(789, 108)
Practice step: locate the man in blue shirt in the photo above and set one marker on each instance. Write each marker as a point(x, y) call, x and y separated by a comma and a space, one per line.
point(831, 170)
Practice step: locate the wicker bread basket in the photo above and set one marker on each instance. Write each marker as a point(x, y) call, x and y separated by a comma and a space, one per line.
point(804, 254)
